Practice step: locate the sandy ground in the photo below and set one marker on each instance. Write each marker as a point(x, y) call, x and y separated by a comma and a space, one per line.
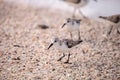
point(23, 53)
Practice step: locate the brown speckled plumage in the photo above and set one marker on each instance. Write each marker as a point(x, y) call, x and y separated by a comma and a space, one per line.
point(113, 18)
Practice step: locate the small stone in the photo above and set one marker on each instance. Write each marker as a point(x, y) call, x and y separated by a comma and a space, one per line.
point(16, 58)
point(53, 69)
point(43, 26)
point(16, 45)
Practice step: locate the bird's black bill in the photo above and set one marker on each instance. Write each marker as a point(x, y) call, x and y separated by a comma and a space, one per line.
point(63, 25)
point(50, 45)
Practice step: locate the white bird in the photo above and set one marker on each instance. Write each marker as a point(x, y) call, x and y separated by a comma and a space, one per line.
point(77, 4)
point(64, 45)
point(73, 25)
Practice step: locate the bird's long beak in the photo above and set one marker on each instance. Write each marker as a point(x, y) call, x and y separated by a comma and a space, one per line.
point(50, 45)
point(64, 25)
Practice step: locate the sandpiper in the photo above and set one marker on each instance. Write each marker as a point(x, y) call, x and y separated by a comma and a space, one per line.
point(114, 19)
point(77, 4)
point(64, 45)
point(73, 25)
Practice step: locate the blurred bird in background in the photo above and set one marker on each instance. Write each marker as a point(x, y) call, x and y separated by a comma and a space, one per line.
point(77, 4)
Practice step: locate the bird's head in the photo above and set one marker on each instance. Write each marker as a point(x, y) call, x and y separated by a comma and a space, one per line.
point(54, 41)
point(67, 21)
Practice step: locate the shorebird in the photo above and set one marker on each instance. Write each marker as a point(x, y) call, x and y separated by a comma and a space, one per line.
point(73, 25)
point(78, 4)
point(114, 19)
point(64, 45)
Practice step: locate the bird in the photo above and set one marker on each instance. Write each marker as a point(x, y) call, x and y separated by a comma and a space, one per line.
point(64, 45)
point(114, 19)
point(77, 4)
point(73, 25)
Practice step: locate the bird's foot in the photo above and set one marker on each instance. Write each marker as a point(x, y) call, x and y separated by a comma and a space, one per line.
point(61, 57)
point(67, 62)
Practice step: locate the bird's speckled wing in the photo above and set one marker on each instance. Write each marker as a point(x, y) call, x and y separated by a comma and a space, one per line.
point(113, 18)
point(71, 43)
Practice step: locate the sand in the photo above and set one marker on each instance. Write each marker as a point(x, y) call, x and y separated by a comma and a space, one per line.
point(24, 46)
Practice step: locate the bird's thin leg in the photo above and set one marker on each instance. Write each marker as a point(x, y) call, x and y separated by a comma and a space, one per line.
point(61, 57)
point(71, 35)
point(74, 12)
point(79, 37)
point(82, 14)
point(118, 29)
point(111, 28)
point(67, 62)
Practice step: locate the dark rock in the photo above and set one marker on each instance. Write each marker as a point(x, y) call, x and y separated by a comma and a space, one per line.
point(43, 26)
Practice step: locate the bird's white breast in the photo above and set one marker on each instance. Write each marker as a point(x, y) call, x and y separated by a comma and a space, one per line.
point(61, 46)
point(73, 26)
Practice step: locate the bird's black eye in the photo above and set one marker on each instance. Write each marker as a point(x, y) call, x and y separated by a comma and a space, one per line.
point(68, 20)
point(55, 41)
